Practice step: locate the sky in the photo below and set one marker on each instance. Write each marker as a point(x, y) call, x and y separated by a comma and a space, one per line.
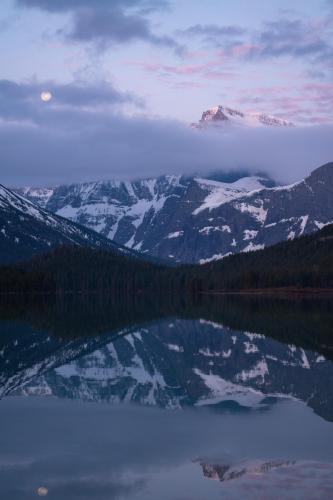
point(127, 78)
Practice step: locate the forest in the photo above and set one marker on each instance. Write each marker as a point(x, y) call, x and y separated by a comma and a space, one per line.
point(304, 263)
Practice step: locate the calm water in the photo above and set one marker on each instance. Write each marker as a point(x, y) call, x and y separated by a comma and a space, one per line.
point(222, 398)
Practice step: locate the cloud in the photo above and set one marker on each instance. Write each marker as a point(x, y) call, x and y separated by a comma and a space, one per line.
point(213, 69)
point(213, 30)
point(298, 38)
point(114, 26)
point(294, 38)
point(7, 22)
point(214, 34)
point(107, 22)
point(309, 102)
point(308, 41)
point(70, 5)
point(21, 101)
point(42, 144)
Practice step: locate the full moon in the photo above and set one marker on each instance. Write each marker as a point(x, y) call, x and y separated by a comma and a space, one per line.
point(46, 96)
point(42, 492)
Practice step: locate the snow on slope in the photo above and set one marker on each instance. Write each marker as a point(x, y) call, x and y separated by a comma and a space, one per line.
point(103, 205)
point(10, 199)
point(172, 364)
point(189, 219)
point(27, 229)
point(222, 192)
point(220, 115)
point(117, 210)
point(37, 195)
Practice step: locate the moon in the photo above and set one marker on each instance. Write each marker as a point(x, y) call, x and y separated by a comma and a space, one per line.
point(46, 96)
point(42, 492)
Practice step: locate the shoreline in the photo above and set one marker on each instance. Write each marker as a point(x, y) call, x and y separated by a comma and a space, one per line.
point(311, 292)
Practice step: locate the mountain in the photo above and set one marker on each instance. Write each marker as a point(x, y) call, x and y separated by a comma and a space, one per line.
point(143, 215)
point(225, 471)
point(27, 229)
point(305, 263)
point(190, 219)
point(224, 116)
point(32, 353)
point(171, 363)
point(265, 217)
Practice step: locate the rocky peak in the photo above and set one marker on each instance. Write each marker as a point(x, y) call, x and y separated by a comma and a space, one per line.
point(221, 115)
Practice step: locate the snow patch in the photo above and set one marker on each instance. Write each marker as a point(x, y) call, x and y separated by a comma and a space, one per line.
point(222, 390)
point(249, 234)
point(176, 234)
point(256, 211)
point(258, 371)
point(223, 192)
point(251, 247)
point(175, 347)
point(250, 348)
point(215, 257)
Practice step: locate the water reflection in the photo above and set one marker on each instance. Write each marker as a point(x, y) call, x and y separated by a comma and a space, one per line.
point(234, 367)
point(97, 451)
point(237, 353)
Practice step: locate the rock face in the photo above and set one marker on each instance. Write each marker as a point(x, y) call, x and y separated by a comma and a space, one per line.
point(184, 219)
point(224, 116)
point(170, 363)
point(26, 229)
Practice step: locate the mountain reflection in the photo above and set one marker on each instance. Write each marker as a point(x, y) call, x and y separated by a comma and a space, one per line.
point(226, 352)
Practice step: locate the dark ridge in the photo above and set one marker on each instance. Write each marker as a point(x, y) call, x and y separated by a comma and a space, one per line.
point(302, 264)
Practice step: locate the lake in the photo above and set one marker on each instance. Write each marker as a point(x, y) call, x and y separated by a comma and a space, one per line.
point(217, 397)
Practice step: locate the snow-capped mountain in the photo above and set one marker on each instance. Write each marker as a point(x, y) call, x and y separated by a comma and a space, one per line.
point(224, 116)
point(26, 354)
point(190, 219)
point(27, 229)
point(228, 472)
point(169, 363)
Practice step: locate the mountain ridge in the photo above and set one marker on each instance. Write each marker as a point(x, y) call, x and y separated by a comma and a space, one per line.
point(27, 230)
point(304, 264)
point(170, 362)
point(190, 219)
point(224, 115)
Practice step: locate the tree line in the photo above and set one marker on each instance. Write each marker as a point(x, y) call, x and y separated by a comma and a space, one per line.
point(306, 262)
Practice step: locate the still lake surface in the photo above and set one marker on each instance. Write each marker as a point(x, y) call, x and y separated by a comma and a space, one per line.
point(226, 397)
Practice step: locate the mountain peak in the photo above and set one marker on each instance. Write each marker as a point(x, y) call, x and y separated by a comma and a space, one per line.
point(221, 115)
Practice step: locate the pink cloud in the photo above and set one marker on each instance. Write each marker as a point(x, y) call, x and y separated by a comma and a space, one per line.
point(244, 49)
point(188, 85)
point(197, 54)
point(220, 75)
point(310, 103)
point(208, 70)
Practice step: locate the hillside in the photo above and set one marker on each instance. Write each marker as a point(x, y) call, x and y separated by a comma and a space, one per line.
point(306, 262)
point(27, 230)
point(74, 268)
point(302, 263)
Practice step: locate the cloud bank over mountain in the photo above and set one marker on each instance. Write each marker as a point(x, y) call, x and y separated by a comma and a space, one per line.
point(81, 135)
